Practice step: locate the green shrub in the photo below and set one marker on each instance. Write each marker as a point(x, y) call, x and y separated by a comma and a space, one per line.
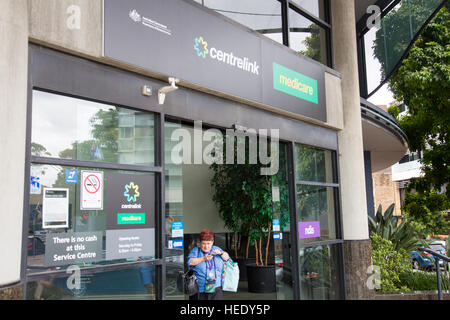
point(423, 281)
point(401, 233)
point(419, 281)
point(392, 263)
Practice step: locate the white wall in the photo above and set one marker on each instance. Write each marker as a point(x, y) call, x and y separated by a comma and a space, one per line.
point(13, 115)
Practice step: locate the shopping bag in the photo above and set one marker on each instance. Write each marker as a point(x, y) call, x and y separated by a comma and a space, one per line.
point(230, 276)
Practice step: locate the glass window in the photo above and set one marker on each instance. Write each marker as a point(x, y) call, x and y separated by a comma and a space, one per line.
point(307, 38)
point(316, 7)
point(71, 128)
point(89, 216)
point(174, 214)
point(386, 44)
point(315, 213)
point(319, 272)
point(313, 164)
point(133, 283)
point(281, 228)
point(263, 16)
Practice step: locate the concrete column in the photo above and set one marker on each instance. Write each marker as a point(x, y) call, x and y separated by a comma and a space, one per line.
point(351, 155)
point(13, 120)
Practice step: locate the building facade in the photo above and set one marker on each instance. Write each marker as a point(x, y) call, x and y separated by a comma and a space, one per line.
point(105, 197)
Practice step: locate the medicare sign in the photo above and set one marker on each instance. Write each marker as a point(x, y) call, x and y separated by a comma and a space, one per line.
point(294, 83)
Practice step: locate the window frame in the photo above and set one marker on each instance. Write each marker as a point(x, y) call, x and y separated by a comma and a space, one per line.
point(338, 241)
point(157, 170)
point(325, 24)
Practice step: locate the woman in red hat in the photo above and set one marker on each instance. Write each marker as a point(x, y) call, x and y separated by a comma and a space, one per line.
point(208, 262)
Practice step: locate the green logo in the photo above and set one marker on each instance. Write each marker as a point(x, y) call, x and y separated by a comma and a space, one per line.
point(131, 192)
point(201, 46)
point(131, 218)
point(294, 83)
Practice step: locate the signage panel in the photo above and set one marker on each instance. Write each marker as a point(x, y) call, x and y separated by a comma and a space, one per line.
point(131, 201)
point(180, 39)
point(131, 243)
point(309, 229)
point(91, 193)
point(130, 215)
point(55, 208)
point(73, 248)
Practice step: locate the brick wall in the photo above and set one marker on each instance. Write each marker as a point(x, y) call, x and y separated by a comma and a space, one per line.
point(385, 191)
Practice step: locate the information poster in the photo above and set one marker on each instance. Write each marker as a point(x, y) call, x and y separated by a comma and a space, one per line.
point(177, 229)
point(132, 243)
point(91, 190)
point(55, 208)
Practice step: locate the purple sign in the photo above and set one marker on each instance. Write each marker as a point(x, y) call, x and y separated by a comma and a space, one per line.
point(309, 229)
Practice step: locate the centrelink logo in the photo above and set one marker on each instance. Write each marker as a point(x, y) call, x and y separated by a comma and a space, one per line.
point(131, 193)
point(201, 48)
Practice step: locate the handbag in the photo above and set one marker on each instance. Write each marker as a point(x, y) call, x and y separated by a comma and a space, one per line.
point(187, 282)
point(230, 276)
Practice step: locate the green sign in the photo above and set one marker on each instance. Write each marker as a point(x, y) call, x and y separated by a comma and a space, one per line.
point(294, 83)
point(131, 218)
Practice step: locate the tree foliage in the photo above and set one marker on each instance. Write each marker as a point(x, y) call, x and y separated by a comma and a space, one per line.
point(424, 210)
point(422, 83)
point(244, 199)
point(397, 29)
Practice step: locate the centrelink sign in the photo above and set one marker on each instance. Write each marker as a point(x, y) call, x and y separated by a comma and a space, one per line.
point(201, 47)
point(182, 39)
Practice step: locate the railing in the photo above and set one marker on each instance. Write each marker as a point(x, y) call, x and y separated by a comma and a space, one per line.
point(437, 256)
point(383, 118)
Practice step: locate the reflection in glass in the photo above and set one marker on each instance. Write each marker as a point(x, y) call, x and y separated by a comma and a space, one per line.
point(281, 212)
point(389, 42)
point(80, 221)
point(263, 16)
point(316, 204)
point(174, 213)
point(319, 273)
point(71, 128)
point(316, 7)
point(313, 164)
point(133, 283)
point(307, 38)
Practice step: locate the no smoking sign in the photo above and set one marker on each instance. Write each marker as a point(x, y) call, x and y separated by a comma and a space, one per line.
point(91, 190)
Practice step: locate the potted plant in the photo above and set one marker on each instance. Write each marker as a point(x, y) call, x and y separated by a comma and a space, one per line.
point(232, 203)
point(244, 199)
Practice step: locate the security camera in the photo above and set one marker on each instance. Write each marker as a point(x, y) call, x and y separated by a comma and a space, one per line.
point(165, 90)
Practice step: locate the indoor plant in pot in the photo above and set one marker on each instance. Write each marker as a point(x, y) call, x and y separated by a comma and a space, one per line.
point(232, 204)
point(244, 199)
